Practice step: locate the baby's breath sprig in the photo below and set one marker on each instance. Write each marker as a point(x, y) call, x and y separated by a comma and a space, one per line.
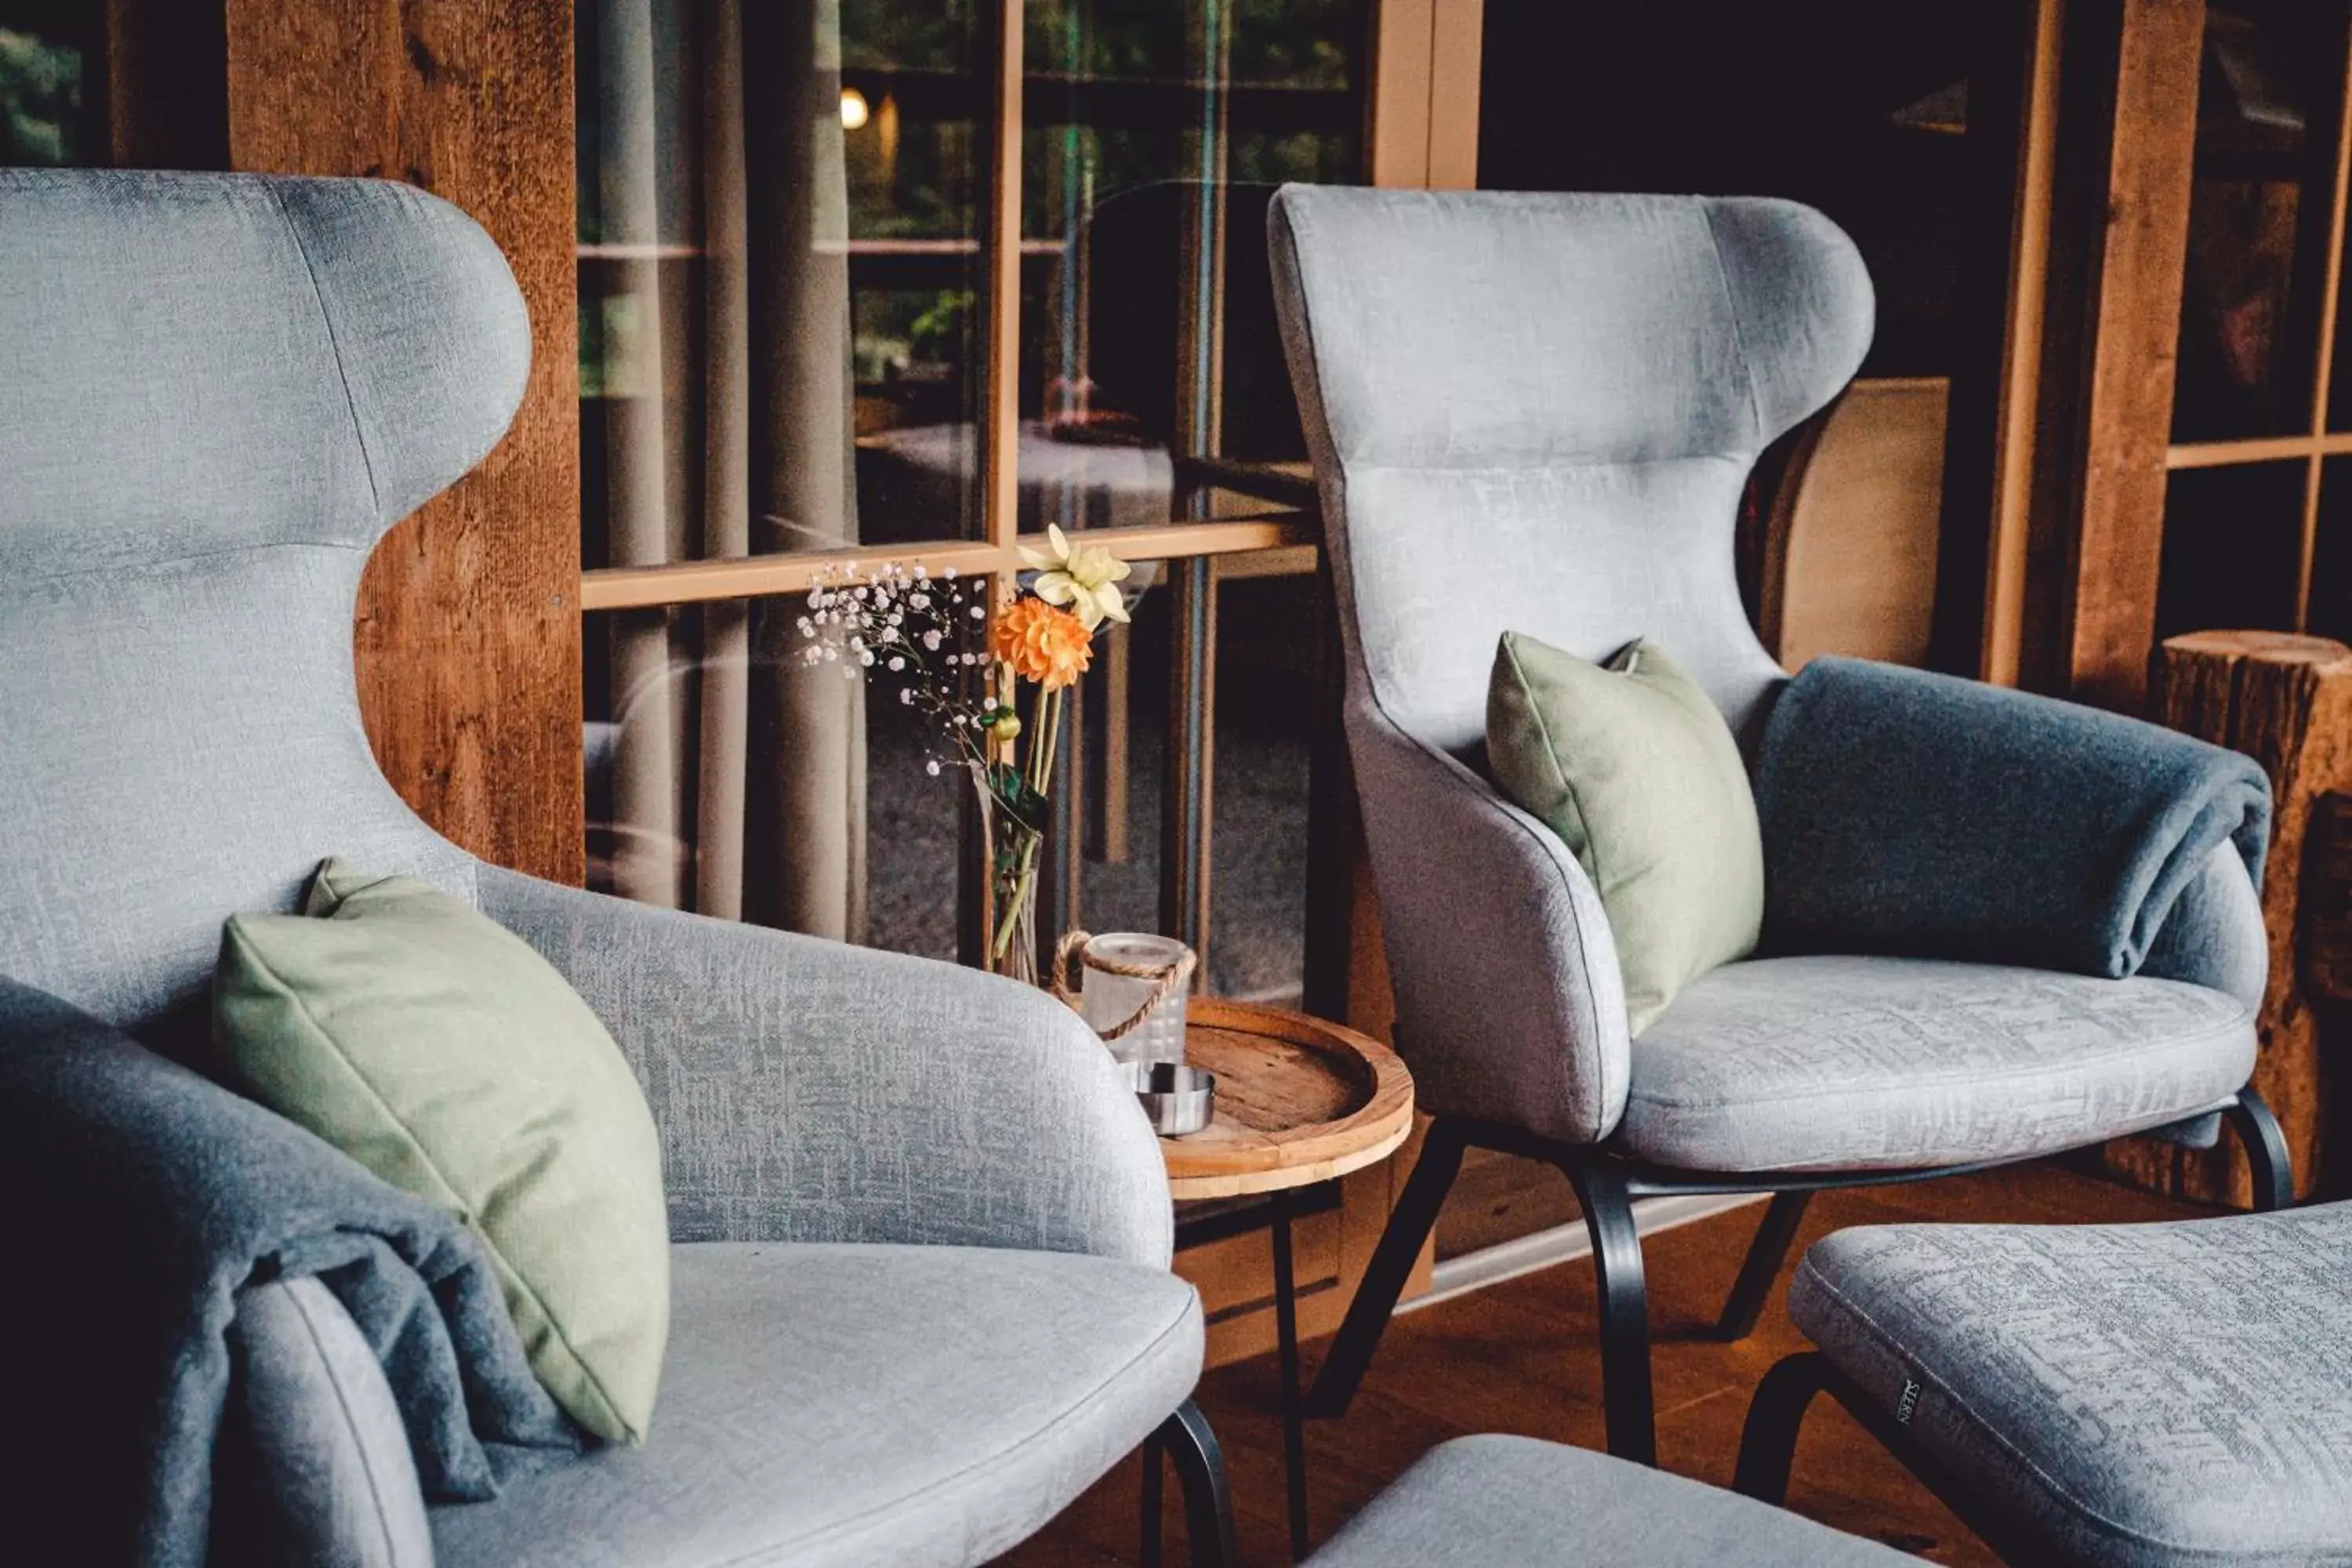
point(926, 634)
point(929, 637)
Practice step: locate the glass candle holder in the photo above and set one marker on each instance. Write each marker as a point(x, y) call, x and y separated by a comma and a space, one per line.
point(1123, 969)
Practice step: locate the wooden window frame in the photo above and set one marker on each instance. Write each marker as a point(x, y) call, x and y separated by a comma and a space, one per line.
point(1421, 130)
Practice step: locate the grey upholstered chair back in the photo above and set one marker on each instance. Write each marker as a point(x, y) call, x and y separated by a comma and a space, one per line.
point(1536, 413)
point(190, 480)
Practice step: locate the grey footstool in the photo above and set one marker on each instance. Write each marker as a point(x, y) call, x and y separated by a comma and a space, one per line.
point(2175, 1395)
point(1518, 1502)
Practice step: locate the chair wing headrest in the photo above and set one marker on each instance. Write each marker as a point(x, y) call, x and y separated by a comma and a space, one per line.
point(1476, 328)
point(199, 362)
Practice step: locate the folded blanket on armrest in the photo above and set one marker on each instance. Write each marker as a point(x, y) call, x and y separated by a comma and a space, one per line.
point(1922, 815)
point(142, 1197)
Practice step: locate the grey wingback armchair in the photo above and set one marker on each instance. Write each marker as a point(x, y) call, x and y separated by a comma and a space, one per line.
point(1536, 413)
point(921, 1297)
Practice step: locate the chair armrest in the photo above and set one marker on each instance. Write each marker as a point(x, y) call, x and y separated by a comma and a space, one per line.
point(810, 1092)
point(1509, 1004)
point(2215, 936)
point(314, 1465)
point(1920, 814)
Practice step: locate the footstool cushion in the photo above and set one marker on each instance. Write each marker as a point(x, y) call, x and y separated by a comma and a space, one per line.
point(2131, 1395)
point(1519, 1502)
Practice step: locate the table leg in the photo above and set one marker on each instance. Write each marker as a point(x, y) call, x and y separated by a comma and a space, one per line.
point(1152, 1465)
point(1286, 1328)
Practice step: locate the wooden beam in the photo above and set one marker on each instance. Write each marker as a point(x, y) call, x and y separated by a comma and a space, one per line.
point(469, 623)
point(2002, 653)
point(1457, 37)
point(2111, 579)
point(1424, 97)
point(754, 576)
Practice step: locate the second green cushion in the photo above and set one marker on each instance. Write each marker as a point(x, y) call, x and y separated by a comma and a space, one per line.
point(1631, 765)
point(446, 1055)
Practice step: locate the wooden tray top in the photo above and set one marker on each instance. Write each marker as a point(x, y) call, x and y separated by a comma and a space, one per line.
point(1298, 1101)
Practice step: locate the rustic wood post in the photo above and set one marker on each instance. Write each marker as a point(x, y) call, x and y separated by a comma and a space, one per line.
point(2286, 701)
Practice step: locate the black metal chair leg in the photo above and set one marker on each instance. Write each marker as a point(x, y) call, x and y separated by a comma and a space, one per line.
point(1409, 1226)
point(1624, 1310)
point(2266, 1155)
point(1154, 1454)
point(1765, 1254)
point(1208, 1501)
point(1767, 1444)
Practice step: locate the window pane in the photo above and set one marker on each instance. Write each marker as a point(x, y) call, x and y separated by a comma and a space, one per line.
point(725, 776)
point(2232, 541)
point(1265, 694)
point(45, 110)
point(1121, 783)
point(1155, 135)
point(779, 257)
point(2266, 113)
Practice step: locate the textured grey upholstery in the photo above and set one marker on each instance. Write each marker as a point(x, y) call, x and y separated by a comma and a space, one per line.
point(331, 1483)
point(199, 460)
point(222, 391)
point(1519, 1502)
point(822, 1404)
point(2132, 1396)
point(1838, 1063)
point(1536, 413)
point(808, 1091)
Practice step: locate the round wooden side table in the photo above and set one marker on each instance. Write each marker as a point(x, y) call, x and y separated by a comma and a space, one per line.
point(1299, 1101)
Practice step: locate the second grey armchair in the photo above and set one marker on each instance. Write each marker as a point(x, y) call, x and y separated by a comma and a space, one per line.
point(1536, 413)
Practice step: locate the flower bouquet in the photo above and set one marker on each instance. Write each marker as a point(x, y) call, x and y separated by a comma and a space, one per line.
point(931, 636)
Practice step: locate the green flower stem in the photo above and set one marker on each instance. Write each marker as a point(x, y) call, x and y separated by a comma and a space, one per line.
point(1047, 717)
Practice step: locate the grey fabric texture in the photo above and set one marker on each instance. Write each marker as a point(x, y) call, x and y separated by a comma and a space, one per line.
point(1856, 1063)
point(1534, 413)
point(222, 390)
point(322, 1474)
point(2214, 936)
point(2131, 1396)
point(1519, 1502)
point(1913, 813)
point(808, 1091)
point(159, 1196)
point(826, 1405)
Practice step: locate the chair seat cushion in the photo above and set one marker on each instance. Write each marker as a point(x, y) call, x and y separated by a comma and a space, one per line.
point(1845, 1063)
point(827, 1403)
point(1519, 1502)
point(2138, 1395)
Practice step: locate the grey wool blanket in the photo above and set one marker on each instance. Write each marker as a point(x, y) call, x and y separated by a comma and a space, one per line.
point(1920, 815)
point(142, 1197)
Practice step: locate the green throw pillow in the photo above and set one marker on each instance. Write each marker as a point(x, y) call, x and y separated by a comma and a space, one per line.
point(443, 1054)
point(1635, 769)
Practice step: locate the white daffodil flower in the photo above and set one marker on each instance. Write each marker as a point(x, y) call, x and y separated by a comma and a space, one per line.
point(1085, 579)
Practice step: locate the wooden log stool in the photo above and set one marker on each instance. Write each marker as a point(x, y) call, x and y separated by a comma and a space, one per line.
point(2285, 700)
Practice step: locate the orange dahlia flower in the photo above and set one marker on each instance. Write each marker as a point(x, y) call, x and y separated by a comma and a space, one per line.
point(1050, 646)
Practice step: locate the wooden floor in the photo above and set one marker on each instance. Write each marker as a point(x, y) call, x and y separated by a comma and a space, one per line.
point(1520, 1357)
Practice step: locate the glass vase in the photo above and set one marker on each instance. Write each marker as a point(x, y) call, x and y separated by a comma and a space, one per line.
point(1013, 850)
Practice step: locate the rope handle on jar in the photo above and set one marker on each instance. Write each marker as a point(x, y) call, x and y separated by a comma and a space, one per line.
point(1171, 978)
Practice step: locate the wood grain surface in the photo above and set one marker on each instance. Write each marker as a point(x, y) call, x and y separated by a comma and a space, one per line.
point(1298, 1101)
point(2111, 580)
point(2286, 701)
point(468, 633)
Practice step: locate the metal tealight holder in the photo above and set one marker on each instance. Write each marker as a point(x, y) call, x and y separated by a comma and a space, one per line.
point(1132, 993)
